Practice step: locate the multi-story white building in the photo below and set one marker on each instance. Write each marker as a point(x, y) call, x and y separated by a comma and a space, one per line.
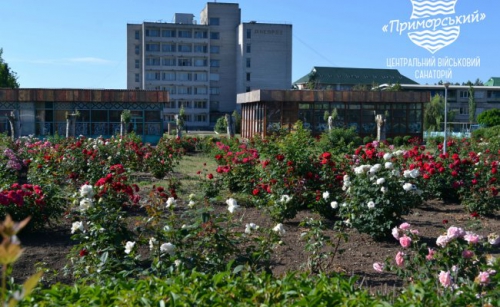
point(204, 65)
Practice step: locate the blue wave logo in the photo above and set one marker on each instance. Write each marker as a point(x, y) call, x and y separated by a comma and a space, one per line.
point(426, 8)
point(433, 40)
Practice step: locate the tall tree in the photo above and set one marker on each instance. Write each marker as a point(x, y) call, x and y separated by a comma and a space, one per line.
point(8, 78)
point(433, 114)
point(472, 105)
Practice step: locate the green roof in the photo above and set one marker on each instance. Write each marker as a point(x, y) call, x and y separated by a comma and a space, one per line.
point(354, 76)
point(494, 81)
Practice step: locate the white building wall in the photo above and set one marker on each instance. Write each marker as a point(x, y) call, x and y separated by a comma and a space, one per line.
point(150, 67)
point(264, 56)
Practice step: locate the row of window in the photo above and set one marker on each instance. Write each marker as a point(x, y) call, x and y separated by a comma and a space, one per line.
point(179, 76)
point(186, 90)
point(196, 62)
point(171, 47)
point(187, 104)
point(188, 117)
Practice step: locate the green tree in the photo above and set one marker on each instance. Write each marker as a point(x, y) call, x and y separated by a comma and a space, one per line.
point(489, 118)
point(472, 105)
point(8, 78)
point(433, 113)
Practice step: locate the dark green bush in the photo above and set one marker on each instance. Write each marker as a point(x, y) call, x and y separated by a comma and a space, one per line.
point(398, 141)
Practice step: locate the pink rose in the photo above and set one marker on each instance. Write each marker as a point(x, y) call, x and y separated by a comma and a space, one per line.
point(483, 278)
point(400, 260)
point(472, 238)
point(378, 266)
point(404, 226)
point(445, 278)
point(405, 241)
point(430, 255)
point(455, 232)
point(467, 254)
point(415, 232)
point(442, 241)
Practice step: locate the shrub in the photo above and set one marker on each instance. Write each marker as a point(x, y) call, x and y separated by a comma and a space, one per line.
point(367, 139)
point(406, 139)
point(220, 125)
point(398, 141)
point(489, 118)
point(378, 193)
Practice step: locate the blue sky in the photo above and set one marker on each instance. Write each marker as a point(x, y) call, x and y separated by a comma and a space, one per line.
point(82, 44)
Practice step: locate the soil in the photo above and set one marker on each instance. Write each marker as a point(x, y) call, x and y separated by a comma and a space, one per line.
point(48, 249)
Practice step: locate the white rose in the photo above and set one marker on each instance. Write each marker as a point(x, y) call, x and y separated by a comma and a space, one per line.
point(370, 205)
point(129, 246)
point(280, 229)
point(86, 191)
point(167, 248)
point(334, 204)
point(380, 181)
point(76, 226)
point(171, 202)
point(326, 195)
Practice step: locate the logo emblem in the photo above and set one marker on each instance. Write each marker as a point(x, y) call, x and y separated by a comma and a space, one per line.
point(434, 39)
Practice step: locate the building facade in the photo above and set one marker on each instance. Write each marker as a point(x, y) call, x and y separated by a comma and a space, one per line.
point(203, 65)
point(486, 97)
point(42, 112)
point(265, 111)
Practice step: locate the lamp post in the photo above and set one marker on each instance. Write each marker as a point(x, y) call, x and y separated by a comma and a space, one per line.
point(446, 85)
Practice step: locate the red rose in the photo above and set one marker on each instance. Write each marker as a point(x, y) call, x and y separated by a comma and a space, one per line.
point(493, 170)
point(255, 192)
point(210, 176)
point(84, 252)
point(280, 157)
point(326, 155)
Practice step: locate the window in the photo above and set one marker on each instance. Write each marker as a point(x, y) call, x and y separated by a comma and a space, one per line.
point(153, 47)
point(137, 64)
point(464, 94)
point(152, 32)
point(248, 89)
point(249, 63)
point(184, 90)
point(201, 90)
point(214, 63)
point(200, 76)
point(200, 48)
point(185, 33)
point(137, 49)
point(184, 48)
point(200, 34)
point(200, 117)
point(214, 91)
point(248, 76)
point(152, 76)
point(249, 48)
point(200, 104)
point(464, 110)
point(214, 21)
point(170, 117)
point(168, 47)
point(249, 33)
point(214, 49)
point(137, 35)
point(200, 62)
point(168, 33)
point(183, 103)
point(170, 90)
point(137, 78)
point(214, 77)
point(214, 35)
point(168, 62)
point(152, 61)
point(168, 76)
point(184, 62)
point(184, 76)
